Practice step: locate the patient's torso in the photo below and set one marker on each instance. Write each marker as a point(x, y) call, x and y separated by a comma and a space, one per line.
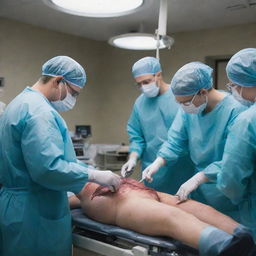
point(101, 204)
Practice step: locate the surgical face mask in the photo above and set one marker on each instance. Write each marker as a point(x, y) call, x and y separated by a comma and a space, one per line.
point(238, 97)
point(192, 109)
point(150, 90)
point(66, 104)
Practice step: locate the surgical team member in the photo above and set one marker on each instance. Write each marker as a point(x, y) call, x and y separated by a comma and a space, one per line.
point(38, 164)
point(152, 116)
point(201, 128)
point(236, 173)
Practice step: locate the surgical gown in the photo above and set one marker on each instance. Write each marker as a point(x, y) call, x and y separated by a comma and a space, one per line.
point(204, 136)
point(38, 166)
point(148, 127)
point(237, 176)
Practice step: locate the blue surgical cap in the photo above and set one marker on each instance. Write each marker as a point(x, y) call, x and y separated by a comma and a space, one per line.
point(145, 66)
point(65, 66)
point(241, 68)
point(191, 78)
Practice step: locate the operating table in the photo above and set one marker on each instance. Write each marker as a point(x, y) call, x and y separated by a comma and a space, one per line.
point(115, 241)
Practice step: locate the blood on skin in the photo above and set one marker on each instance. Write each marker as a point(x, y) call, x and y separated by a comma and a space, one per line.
point(126, 185)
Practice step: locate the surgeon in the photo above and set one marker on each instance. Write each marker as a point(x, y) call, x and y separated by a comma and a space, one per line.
point(152, 116)
point(236, 173)
point(201, 128)
point(38, 164)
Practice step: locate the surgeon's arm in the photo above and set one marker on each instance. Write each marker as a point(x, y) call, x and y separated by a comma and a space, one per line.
point(172, 149)
point(208, 174)
point(212, 170)
point(44, 153)
point(51, 160)
point(136, 137)
point(190, 185)
point(238, 162)
point(177, 142)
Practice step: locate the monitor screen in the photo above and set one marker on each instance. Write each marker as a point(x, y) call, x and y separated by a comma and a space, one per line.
point(79, 151)
point(83, 130)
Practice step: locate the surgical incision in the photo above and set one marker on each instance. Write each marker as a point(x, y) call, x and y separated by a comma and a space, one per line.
point(126, 185)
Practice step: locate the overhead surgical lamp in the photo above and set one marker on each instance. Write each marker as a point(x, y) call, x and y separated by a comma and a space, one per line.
point(142, 41)
point(96, 8)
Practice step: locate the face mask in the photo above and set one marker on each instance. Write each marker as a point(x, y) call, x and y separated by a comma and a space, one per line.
point(150, 90)
point(66, 104)
point(192, 109)
point(238, 97)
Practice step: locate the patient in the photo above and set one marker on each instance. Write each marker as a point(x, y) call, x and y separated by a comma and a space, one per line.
point(149, 212)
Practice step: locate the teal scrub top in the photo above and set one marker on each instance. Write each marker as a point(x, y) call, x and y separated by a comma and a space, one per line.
point(204, 136)
point(236, 173)
point(38, 166)
point(148, 127)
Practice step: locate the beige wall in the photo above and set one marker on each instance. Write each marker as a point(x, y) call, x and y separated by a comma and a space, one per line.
point(23, 50)
point(110, 92)
point(190, 46)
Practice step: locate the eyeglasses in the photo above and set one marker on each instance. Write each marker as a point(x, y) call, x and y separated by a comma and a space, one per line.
point(73, 92)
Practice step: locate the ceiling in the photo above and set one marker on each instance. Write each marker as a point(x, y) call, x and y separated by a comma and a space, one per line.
point(183, 15)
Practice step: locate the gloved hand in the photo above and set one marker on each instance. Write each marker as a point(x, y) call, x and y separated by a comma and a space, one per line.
point(128, 167)
point(104, 178)
point(190, 185)
point(152, 169)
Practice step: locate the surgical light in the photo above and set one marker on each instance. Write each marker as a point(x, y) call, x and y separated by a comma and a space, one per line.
point(140, 41)
point(96, 8)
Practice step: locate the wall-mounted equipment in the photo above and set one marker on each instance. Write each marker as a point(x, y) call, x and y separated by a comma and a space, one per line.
point(81, 141)
point(83, 131)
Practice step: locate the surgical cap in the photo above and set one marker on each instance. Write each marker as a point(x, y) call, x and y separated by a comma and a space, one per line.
point(241, 68)
point(65, 66)
point(145, 66)
point(190, 78)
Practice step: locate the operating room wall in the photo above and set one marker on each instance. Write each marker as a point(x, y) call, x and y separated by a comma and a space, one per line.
point(120, 91)
point(23, 50)
point(107, 100)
